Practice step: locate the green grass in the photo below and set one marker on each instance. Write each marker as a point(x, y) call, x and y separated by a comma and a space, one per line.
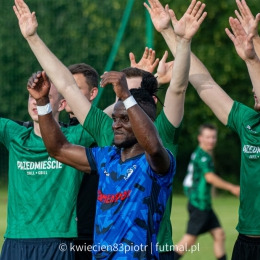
point(225, 207)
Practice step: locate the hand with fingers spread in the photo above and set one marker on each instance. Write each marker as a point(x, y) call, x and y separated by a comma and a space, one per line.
point(164, 70)
point(39, 85)
point(148, 61)
point(242, 41)
point(189, 24)
point(27, 20)
point(118, 80)
point(246, 18)
point(159, 15)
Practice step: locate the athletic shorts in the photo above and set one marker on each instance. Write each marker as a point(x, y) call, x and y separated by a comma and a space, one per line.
point(201, 221)
point(37, 249)
point(166, 255)
point(246, 248)
point(83, 249)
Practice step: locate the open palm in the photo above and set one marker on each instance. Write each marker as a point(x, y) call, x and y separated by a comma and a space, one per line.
point(189, 24)
point(159, 15)
point(27, 20)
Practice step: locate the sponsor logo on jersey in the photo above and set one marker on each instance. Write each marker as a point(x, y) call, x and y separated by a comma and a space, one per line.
point(111, 198)
point(251, 149)
point(42, 165)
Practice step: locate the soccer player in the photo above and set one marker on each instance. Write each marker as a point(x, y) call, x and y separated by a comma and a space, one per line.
point(86, 78)
point(42, 191)
point(197, 187)
point(236, 116)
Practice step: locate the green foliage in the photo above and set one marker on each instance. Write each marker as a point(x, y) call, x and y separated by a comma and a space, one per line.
point(84, 31)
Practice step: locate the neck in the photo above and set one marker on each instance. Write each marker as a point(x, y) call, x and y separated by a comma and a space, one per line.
point(132, 151)
point(207, 150)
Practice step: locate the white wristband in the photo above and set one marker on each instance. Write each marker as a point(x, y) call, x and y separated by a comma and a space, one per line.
point(44, 110)
point(129, 102)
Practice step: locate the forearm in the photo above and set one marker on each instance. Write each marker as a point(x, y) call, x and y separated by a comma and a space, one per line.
point(256, 41)
point(253, 67)
point(175, 95)
point(181, 68)
point(148, 138)
point(171, 39)
point(52, 136)
point(60, 77)
point(218, 182)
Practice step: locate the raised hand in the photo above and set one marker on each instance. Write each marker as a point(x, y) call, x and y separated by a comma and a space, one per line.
point(118, 80)
point(242, 41)
point(190, 22)
point(246, 18)
point(159, 15)
point(27, 20)
point(39, 85)
point(147, 62)
point(164, 70)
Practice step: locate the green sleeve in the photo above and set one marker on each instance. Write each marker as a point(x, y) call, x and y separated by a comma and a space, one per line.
point(78, 135)
point(168, 133)
point(99, 125)
point(8, 131)
point(237, 116)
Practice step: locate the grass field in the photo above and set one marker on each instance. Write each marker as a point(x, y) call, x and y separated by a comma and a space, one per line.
point(225, 207)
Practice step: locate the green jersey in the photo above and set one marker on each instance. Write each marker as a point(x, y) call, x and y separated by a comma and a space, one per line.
point(42, 192)
point(99, 125)
point(246, 122)
point(195, 185)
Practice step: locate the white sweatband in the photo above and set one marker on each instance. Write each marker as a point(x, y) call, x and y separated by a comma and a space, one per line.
point(129, 102)
point(44, 110)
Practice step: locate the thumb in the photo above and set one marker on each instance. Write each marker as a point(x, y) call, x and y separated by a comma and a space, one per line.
point(173, 16)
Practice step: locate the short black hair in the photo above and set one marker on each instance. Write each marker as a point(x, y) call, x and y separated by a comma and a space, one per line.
point(207, 126)
point(149, 81)
point(145, 101)
point(89, 73)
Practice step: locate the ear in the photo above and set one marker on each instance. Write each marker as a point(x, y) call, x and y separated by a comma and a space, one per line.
point(155, 99)
point(62, 105)
point(93, 93)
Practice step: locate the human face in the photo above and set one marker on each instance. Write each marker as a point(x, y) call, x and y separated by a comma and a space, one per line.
point(83, 86)
point(207, 139)
point(123, 134)
point(257, 104)
point(55, 102)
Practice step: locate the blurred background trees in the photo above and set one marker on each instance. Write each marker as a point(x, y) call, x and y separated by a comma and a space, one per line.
point(84, 31)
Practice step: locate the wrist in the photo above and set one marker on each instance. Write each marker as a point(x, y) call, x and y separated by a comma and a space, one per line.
point(129, 102)
point(42, 101)
point(184, 40)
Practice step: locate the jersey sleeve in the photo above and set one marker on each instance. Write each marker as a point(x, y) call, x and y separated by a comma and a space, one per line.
point(237, 116)
point(165, 179)
point(168, 133)
point(78, 135)
point(99, 125)
point(8, 131)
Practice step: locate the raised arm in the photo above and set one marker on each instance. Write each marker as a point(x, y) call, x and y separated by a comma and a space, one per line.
point(56, 143)
point(208, 90)
point(185, 29)
point(142, 126)
point(57, 72)
point(245, 49)
point(249, 23)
